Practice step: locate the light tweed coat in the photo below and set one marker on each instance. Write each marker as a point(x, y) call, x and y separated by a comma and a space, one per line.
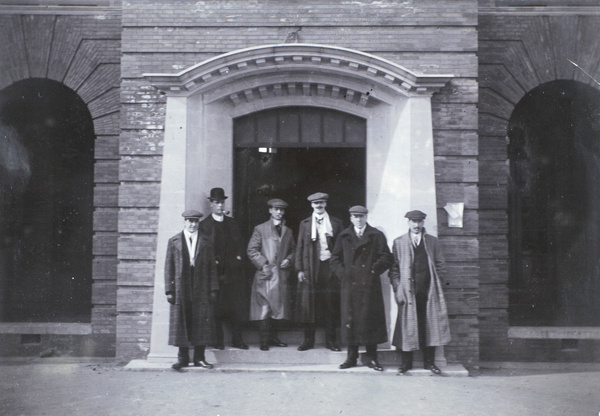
point(406, 334)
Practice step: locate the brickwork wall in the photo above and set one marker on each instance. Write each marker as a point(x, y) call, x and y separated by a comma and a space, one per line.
point(428, 36)
point(516, 54)
point(82, 51)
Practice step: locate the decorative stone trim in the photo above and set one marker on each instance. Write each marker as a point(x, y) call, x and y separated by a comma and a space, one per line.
point(339, 64)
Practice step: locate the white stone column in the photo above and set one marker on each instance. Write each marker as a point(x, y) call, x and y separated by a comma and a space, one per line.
point(172, 204)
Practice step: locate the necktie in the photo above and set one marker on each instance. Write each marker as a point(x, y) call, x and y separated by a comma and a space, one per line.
point(319, 220)
point(416, 240)
point(278, 228)
point(359, 233)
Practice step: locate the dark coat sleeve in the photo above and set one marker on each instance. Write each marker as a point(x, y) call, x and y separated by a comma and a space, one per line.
point(170, 269)
point(394, 274)
point(383, 258)
point(337, 257)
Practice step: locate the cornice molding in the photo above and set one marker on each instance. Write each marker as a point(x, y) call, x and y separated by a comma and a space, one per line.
point(541, 11)
point(298, 69)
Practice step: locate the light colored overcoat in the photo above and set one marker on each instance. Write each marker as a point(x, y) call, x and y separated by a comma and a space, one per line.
point(270, 295)
point(204, 281)
point(406, 334)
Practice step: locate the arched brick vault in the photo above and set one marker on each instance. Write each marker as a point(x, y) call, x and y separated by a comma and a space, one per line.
point(516, 54)
point(83, 53)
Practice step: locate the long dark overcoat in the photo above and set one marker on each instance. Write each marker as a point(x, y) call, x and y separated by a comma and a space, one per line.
point(234, 293)
point(359, 264)
point(204, 282)
point(270, 296)
point(307, 261)
point(406, 334)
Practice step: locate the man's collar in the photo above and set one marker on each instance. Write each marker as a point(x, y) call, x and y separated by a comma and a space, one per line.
point(218, 218)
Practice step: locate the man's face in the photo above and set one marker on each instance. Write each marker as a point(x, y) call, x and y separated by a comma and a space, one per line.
point(319, 207)
point(277, 213)
point(191, 224)
point(217, 206)
point(358, 220)
point(416, 226)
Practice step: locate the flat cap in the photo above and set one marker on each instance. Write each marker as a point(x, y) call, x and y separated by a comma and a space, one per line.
point(191, 213)
point(277, 203)
point(416, 215)
point(358, 209)
point(319, 196)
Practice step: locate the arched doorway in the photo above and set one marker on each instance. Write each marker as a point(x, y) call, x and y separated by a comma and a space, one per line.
point(46, 188)
point(554, 214)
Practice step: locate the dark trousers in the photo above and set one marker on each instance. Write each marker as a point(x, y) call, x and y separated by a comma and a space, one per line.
point(236, 331)
point(353, 352)
point(327, 305)
point(183, 356)
point(428, 352)
point(266, 331)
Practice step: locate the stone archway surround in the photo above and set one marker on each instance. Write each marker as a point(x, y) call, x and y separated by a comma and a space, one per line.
point(203, 100)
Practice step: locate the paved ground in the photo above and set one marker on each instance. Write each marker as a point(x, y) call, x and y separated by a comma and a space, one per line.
point(99, 387)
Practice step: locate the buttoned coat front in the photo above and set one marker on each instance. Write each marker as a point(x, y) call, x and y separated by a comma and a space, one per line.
point(406, 334)
point(270, 296)
point(307, 261)
point(359, 263)
point(204, 281)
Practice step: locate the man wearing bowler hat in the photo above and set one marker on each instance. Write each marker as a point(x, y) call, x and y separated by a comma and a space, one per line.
point(317, 301)
point(191, 286)
point(271, 251)
point(416, 276)
point(360, 256)
point(231, 305)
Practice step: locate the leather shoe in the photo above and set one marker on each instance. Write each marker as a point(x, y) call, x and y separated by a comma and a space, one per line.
point(203, 364)
point(240, 345)
point(374, 365)
point(332, 346)
point(179, 365)
point(275, 342)
point(347, 364)
point(306, 346)
point(434, 369)
point(264, 347)
point(403, 369)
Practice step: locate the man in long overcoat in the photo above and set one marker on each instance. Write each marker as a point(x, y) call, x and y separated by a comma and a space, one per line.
point(271, 251)
point(191, 285)
point(317, 301)
point(360, 256)
point(231, 305)
point(416, 276)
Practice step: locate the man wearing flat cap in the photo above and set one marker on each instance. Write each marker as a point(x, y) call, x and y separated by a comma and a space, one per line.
point(360, 256)
point(317, 301)
point(416, 277)
point(271, 251)
point(191, 285)
point(231, 305)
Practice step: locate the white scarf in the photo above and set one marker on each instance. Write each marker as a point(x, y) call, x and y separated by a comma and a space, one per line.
point(326, 223)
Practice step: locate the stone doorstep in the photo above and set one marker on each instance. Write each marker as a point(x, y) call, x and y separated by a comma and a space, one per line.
point(453, 370)
point(279, 359)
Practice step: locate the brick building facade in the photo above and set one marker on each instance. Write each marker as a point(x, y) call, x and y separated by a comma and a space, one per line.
point(165, 82)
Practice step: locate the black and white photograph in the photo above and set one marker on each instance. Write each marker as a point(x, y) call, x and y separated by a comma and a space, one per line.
point(299, 207)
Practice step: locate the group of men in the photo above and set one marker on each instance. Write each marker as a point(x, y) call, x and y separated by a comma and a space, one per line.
point(338, 283)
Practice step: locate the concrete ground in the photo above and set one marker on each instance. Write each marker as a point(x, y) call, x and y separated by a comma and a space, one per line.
point(62, 386)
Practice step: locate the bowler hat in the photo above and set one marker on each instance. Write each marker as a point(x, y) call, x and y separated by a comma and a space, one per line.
point(416, 215)
point(217, 194)
point(319, 196)
point(191, 213)
point(358, 209)
point(277, 203)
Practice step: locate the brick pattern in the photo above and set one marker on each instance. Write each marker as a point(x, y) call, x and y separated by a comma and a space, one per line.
point(428, 37)
point(83, 53)
point(516, 54)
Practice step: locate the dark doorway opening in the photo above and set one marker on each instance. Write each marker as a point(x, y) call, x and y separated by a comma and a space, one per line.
point(46, 203)
point(554, 215)
point(292, 174)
